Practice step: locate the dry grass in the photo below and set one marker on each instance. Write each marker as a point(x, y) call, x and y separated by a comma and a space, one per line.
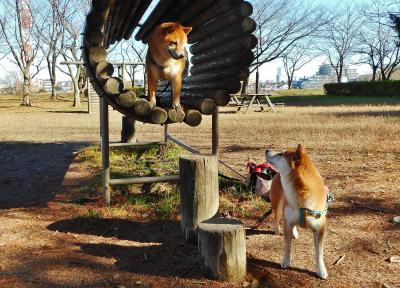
point(356, 147)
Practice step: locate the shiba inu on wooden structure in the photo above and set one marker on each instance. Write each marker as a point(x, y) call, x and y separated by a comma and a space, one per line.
point(298, 193)
point(166, 59)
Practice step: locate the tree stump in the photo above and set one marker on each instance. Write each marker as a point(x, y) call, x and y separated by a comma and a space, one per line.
point(128, 132)
point(142, 107)
point(113, 86)
point(222, 249)
point(199, 190)
point(158, 115)
point(176, 115)
point(127, 98)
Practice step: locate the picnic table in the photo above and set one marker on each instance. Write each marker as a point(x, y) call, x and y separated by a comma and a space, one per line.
point(252, 99)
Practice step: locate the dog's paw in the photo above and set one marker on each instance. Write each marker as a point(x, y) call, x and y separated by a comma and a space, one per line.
point(295, 234)
point(285, 263)
point(322, 273)
point(153, 102)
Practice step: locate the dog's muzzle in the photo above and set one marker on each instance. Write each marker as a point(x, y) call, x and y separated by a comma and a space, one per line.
point(175, 55)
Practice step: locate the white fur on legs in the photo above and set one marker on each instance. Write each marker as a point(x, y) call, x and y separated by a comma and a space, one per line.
point(319, 253)
point(287, 233)
point(295, 235)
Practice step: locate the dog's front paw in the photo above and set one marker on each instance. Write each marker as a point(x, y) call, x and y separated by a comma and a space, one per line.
point(322, 273)
point(295, 234)
point(153, 102)
point(285, 263)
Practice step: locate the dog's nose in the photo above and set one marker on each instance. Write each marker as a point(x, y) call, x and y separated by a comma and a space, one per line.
point(266, 151)
point(181, 56)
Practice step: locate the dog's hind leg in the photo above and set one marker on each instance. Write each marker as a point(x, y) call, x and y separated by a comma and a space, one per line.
point(319, 236)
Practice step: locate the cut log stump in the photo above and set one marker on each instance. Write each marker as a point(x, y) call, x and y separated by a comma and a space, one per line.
point(199, 190)
point(222, 249)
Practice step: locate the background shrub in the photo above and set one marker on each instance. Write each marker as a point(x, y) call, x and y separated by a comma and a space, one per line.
point(365, 88)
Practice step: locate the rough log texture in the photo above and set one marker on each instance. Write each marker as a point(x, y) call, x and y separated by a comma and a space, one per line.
point(176, 115)
point(158, 115)
point(134, 20)
point(192, 117)
point(94, 37)
point(246, 26)
point(95, 19)
point(194, 9)
point(128, 132)
point(232, 85)
point(113, 86)
point(222, 249)
point(199, 192)
point(226, 72)
point(104, 70)
point(221, 97)
point(143, 107)
point(212, 11)
point(230, 17)
point(247, 42)
point(97, 55)
point(127, 99)
point(153, 19)
point(240, 58)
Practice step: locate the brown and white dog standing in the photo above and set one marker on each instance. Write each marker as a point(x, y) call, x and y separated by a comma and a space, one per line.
point(298, 194)
point(166, 59)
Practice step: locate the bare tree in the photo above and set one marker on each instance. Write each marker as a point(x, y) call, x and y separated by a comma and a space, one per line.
point(72, 24)
point(135, 51)
point(296, 58)
point(281, 24)
point(52, 35)
point(339, 40)
point(17, 19)
point(377, 41)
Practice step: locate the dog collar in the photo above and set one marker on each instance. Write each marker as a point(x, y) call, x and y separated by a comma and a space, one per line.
point(304, 212)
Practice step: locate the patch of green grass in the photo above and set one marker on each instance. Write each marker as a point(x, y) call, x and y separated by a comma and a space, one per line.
point(168, 204)
point(325, 100)
point(91, 218)
point(234, 188)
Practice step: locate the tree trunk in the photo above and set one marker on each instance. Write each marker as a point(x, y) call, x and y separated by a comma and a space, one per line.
point(374, 69)
point(25, 88)
point(77, 92)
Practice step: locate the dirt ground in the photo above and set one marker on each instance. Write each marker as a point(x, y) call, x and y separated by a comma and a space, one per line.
point(356, 148)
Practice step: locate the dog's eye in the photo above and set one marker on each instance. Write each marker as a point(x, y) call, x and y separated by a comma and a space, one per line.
point(174, 43)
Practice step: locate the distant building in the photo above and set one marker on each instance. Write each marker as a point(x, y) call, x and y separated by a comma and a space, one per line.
point(278, 75)
point(44, 84)
point(65, 86)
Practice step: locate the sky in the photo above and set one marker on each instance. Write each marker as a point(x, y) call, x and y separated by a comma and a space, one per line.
point(267, 72)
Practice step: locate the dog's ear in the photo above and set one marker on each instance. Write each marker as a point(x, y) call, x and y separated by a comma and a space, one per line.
point(187, 30)
point(300, 150)
point(168, 27)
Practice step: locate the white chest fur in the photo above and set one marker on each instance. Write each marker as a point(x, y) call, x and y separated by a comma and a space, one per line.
point(171, 69)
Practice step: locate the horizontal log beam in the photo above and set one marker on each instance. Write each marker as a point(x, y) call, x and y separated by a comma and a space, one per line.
point(194, 9)
point(218, 7)
point(241, 58)
point(245, 26)
point(135, 18)
point(154, 19)
point(221, 97)
point(247, 42)
point(230, 17)
point(225, 72)
point(144, 180)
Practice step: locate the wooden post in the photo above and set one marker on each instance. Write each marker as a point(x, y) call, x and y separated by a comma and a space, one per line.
point(199, 192)
point(222, 249)
point(105, 152)
point(128, 132)
point(215, 133)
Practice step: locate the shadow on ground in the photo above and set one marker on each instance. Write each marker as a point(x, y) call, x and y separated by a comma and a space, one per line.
point(31, 173)
point(158, 247)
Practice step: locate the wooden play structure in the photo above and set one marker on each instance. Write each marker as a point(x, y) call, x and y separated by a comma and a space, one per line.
point(221, 46)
